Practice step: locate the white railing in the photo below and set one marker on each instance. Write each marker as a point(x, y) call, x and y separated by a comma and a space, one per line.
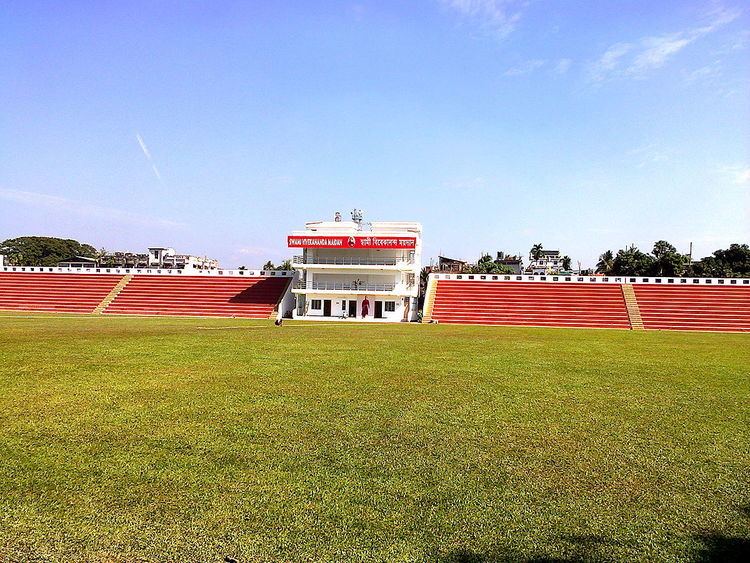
point(345, 261)
point(146, 271)
point(345, 286)
point(556, 278)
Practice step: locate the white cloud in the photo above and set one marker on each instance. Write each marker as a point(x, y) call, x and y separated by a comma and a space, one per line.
point(609, 61)
point(67, 206)
point(637, 59)
point(526, 67)
point(147, 154)
point(704, 73)
point(563, 66)
point(475, 183)
point(651, 153)
point(252, 251)
point(738, 174)
point(498, 16)
point(655, 52)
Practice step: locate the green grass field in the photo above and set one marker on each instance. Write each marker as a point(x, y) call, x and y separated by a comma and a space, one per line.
point(126, 439)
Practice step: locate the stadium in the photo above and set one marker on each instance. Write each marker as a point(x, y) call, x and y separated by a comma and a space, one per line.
point(533, 346)
point(202, 414)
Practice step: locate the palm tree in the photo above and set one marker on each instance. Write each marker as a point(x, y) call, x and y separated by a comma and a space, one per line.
point(566, 263)
point(536, 251)
point(606, 263)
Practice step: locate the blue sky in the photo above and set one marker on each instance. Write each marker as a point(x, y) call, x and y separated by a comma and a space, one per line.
point(216, 127)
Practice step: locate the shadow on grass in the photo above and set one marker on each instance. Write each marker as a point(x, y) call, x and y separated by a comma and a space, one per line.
point(718, 547)
point(582, 547)
point(714, 547)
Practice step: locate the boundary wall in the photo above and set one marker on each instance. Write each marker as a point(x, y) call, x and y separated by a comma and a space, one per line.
point(619, 280)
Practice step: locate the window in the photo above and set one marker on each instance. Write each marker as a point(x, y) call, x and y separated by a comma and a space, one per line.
point(315, 304)
point(390, 306)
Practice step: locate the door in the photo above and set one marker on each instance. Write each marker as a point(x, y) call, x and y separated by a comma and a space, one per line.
point(352, 308)
point(326, 307)
point(378, 309)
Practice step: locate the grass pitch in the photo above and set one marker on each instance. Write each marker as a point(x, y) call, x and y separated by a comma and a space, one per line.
point(126, 439)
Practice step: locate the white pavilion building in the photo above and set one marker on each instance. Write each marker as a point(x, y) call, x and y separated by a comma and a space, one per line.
point(357, 270)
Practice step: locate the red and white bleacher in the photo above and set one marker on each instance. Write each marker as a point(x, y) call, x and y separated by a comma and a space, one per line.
point(596, 302)
point(529, 304)
point(57, 292)
point(228, 293)
point(714, 307)
point(251, 297)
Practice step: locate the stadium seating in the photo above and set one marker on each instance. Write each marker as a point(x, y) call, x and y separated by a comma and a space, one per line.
point(530, 304)
point(65, 293)
point(252, 297)
point(687, 307)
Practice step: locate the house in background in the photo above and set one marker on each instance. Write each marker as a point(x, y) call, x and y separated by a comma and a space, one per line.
point(547, 262)
point(451, 265)
point(157, 257)
point(78, 262)
point(512, 261)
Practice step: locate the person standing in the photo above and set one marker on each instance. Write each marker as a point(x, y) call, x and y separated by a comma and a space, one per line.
point(365, 307)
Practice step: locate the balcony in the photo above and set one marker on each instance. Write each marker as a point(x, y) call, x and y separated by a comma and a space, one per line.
point(353, 287)
point(350, 261)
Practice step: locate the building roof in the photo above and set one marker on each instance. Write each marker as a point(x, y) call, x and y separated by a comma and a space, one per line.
point(446, 259)
point(78, 259)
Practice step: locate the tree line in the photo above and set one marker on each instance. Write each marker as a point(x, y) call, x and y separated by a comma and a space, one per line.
point(665, 260)
point(43, 251)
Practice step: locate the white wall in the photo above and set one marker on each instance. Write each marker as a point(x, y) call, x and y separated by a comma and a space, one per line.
point(336, 306)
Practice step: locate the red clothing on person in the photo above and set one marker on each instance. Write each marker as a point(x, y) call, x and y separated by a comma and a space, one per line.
point(365, 308)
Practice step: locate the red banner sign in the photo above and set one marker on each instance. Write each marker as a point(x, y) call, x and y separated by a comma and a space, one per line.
point(351, 242)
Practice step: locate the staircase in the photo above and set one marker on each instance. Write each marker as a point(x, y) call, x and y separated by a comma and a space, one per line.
point(252, 297)
point(275, 313)
point(60, 293)
point(112, 294)
point(631, 304)
point(429, 300)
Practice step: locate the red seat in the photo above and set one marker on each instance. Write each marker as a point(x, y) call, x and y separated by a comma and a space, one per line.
point(530, 304)
point(251, 297)
point(695, 307)
point(69, 293)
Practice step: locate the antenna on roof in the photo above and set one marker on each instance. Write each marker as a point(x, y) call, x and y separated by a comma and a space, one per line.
point(358, 218)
